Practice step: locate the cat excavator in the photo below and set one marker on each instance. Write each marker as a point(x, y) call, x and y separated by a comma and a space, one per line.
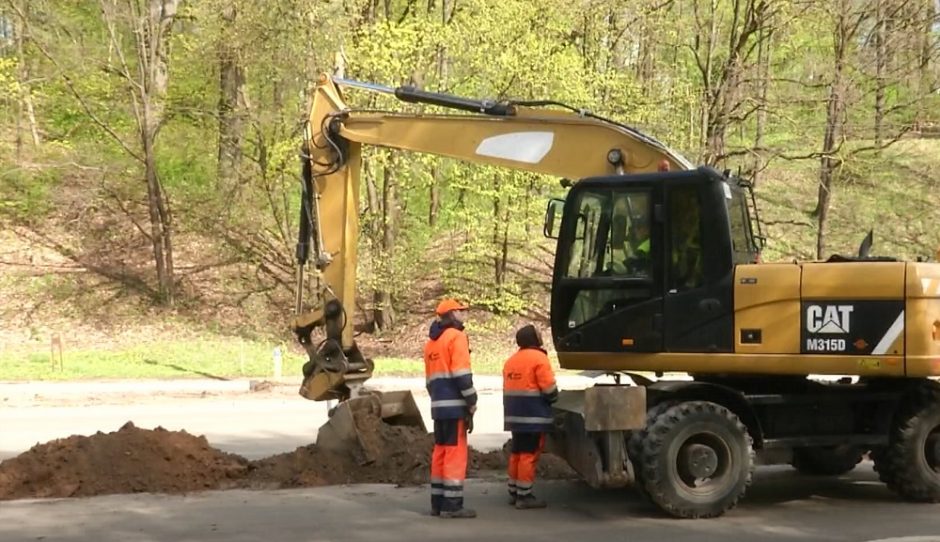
point(657, 270)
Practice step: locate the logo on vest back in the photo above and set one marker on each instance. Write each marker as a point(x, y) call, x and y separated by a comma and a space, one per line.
point(829, 319)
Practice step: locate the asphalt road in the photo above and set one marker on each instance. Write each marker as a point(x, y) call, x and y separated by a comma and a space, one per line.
point(253, 425)
point(781, 504)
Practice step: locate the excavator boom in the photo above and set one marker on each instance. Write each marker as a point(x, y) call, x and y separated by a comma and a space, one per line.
point(526, 136)
point(570, 144)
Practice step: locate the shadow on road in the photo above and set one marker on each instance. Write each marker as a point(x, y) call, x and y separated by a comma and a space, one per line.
point(778, 485)
point(185, 369)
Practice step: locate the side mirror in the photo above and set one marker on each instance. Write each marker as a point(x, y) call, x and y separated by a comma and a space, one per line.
point(552, 226)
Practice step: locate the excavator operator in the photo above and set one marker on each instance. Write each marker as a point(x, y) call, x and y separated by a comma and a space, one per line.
point(630, 239)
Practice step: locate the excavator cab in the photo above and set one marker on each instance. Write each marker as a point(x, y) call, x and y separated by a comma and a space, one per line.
point(636, 251)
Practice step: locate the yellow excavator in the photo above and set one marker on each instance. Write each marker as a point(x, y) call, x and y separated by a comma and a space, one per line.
point(657, 269)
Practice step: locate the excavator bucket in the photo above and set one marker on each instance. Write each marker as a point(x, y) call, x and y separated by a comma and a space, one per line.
point(355, 425)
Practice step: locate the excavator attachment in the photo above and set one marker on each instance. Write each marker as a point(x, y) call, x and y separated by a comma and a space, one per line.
point(355, 425)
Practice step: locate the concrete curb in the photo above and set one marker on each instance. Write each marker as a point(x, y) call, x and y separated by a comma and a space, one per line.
point(102, 387)
point(198, 386)
point(28, 389)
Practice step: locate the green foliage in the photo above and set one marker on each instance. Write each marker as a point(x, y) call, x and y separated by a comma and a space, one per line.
point(633, 61)
point(194, 358)
point(25, 194)
point(9, 84)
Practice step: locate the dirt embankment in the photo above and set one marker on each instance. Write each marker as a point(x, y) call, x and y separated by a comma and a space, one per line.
point(135, 460)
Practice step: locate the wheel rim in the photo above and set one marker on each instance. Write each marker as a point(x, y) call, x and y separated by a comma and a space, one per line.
point(703, 463)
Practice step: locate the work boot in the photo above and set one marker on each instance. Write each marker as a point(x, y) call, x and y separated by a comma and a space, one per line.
point(528, 502)
point(512, 499)
point(459, 513)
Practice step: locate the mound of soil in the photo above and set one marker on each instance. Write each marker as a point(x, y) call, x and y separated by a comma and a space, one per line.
point(134, 460)
point(392, 455)
point(550, 466)
point(130, 460)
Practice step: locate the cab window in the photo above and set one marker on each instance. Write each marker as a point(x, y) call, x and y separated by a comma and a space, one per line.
point(686, 269)
point(612, 236)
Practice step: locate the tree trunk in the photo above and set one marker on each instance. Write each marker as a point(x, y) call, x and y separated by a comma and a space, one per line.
point(152, 45)
point(708, 91)
point(926, 55)
point(497, 267)
point(880, 36)
point(835, 119)
point(763, 63)
point(383, 312)
point(434, 196)
point(20, 113)
point(25, 113)
point(159, 234)
point(504, 248)
point(231, 82)
point(434, 207)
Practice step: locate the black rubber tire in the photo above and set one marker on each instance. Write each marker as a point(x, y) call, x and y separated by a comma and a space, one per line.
point(635, 444)
point(905, 465)
point(829, 461)
point(694, 423)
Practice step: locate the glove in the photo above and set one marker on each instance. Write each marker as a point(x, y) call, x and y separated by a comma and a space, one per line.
point(469, 422)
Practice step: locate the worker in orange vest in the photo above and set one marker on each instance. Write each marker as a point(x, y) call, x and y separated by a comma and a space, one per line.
point(528, 392)
point(453, 403)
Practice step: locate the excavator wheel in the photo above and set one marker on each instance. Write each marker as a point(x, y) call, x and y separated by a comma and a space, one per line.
point(910, 464)
point(826, 461)
point(635, 443)
point(696, 460)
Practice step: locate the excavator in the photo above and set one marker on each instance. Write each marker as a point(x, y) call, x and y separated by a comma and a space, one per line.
point(657, 270)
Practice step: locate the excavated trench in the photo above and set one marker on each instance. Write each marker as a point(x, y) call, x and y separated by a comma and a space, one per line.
point(135, 460)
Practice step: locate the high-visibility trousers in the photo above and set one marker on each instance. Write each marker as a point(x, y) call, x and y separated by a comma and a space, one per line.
point(526, 449)
point(448, 465)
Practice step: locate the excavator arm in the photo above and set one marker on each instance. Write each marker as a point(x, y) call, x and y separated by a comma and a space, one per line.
point(542, 137)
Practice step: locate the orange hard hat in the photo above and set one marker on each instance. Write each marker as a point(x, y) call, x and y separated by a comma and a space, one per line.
point(448, 305)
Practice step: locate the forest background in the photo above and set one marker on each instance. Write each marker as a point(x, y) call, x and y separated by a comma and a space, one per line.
point(149, 168)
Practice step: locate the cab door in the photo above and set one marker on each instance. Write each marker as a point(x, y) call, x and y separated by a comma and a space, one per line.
point(607, 284)
point(697, 256)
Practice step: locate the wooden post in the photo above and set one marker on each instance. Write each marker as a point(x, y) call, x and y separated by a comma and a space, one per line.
point(56, 342)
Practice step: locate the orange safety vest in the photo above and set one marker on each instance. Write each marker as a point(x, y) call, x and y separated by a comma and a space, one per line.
point(529, 389)
point(447, 372)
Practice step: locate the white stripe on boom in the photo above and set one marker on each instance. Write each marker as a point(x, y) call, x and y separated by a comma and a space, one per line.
point(528, 147)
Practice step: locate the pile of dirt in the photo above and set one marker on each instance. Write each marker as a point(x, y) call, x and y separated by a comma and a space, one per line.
point(130, 460)
point(134, 460)
point(392, 455)
point(550, 466)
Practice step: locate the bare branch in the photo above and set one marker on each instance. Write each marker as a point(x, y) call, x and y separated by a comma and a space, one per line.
point(74, 91)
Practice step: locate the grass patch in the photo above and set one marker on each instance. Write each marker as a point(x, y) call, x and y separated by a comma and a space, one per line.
point(195, 358)
point(200, 358)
